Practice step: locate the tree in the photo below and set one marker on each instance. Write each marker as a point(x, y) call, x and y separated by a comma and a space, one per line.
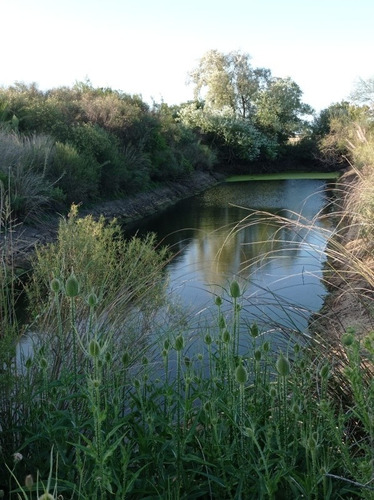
point(250, 112)
point(229, 81)
point(280, 108)
point(364, 93)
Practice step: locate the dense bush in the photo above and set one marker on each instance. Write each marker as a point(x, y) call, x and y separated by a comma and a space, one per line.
point(107, 143)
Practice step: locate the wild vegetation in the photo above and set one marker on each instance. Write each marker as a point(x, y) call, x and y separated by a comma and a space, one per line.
point(81, 144)
point(108, 401)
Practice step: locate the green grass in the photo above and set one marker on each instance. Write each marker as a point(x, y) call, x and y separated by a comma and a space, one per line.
point(259, 425)
point(284, 176)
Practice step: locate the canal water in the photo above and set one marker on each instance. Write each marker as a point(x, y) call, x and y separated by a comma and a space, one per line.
point(265, 234)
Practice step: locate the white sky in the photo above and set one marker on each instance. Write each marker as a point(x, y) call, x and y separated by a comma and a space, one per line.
point(147, 47)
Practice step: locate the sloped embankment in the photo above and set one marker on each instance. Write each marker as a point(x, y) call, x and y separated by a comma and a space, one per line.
point(349, 271)
point(20, 243)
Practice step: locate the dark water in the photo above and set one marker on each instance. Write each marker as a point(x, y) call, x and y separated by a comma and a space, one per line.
point(216, 237)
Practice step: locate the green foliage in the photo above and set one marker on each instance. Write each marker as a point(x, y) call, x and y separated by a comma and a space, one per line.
point(78, 176)
point(108, 143)
point(245, 111)
point(256, 426)
point(336, 131)
point(234, 138)
point(279, 109)
point(25, 171)
point(118, 272)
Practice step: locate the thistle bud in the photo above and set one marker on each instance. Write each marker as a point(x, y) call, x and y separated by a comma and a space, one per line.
point(179, 343)
point(241, 374)
point(218, 301)
point(55, 285)
point(234, 290)
point(282, 365)
point(257, 355)
point(72, 286)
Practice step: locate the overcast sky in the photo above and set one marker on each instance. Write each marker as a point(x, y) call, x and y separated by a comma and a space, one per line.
point(147, 47)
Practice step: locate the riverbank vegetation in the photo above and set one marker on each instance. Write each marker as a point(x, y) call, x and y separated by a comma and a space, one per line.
point(107, 399)
point(84, 144)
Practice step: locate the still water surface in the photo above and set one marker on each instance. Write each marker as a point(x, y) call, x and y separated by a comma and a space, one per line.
point(215, 239)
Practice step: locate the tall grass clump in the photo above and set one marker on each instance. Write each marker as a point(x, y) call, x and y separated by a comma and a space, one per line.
point(24, 172)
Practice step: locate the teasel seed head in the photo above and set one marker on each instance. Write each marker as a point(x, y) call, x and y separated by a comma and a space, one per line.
point(29, 481)
point(72, 286)
point(92, 300)
point(241, 374)
point(282, 365)
point(94, 348)
point(234, 289)
point(179, 343)
point(55, 285)
point(218, 301)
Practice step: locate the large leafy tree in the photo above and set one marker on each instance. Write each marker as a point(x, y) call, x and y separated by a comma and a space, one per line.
point(229, 81)
point(246, 108)
point(280, 108)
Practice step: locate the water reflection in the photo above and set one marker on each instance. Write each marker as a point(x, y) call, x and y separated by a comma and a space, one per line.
point(231, 230)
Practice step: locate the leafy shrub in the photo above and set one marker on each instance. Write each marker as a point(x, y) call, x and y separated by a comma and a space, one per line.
point(118, 271)
point(76, 175)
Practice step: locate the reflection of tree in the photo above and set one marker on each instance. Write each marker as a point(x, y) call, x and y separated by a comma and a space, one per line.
point(244, 247)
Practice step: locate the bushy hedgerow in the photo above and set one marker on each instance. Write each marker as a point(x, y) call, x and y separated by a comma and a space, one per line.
point(107, 143)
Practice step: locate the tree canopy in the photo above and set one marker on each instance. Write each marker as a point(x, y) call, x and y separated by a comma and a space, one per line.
point(248, 109)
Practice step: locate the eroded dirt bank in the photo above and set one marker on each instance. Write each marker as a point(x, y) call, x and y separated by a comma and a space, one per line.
point(349, 275)
point(19, 244)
